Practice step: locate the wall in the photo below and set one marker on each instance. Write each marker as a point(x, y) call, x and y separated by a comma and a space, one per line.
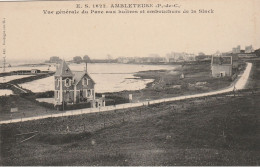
point(216, 69)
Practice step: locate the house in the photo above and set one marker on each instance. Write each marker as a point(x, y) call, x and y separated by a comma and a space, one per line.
point(235, 59)
point(221, 66)
point(35, 71)
point(236, 49)
point(249, 49)
point(73, 86)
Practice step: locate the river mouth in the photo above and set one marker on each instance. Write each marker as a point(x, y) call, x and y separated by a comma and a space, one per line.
point(108, 77)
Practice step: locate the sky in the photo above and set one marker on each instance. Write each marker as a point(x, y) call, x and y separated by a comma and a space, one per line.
point(31, 35)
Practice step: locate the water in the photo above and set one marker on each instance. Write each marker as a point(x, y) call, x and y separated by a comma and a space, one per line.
point(5, 79)
point(108, 77)
point(4, 92)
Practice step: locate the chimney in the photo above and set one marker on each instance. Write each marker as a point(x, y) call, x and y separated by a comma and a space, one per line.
point(86, 68)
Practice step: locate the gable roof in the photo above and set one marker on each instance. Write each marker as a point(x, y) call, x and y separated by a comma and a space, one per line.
point(63, 70)
point(234, 56)
point(78, 75)
point(221, 60)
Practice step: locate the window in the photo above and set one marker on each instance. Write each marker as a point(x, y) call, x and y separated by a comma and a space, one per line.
point(57, 94)
point(58, 82)
point(67, 70)
point(85, 81)
point(81, 93)
point(67, 82)
point(89, 92)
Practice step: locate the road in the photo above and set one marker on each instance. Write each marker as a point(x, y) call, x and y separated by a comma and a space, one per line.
point(22, 90)
point(238, 84)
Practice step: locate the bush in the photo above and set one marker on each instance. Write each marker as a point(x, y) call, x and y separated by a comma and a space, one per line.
point(47, 94)
point(62, 138)
point(76, 106)
point(114, 100)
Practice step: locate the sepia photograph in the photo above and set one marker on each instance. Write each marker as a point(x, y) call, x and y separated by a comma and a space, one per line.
point(130, 83)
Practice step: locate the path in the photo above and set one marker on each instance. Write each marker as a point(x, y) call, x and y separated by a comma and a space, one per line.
point(21, 89)
point(239, 84)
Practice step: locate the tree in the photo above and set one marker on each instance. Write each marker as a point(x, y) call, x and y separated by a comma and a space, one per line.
point(77, 59)
point(86, 59)
point(201, 54)
point(54, 59)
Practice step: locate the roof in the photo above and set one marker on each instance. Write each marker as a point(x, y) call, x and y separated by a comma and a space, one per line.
point(234, 56)
point(222, 60)
point(78, 75)
point(63, 70)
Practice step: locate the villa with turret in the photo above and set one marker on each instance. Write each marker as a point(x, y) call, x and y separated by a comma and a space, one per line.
point(73, 87)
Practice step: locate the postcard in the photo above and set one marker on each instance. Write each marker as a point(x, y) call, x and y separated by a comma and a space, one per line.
point(129, 83)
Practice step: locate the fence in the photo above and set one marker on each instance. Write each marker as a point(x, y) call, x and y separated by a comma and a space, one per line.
point(87, 123)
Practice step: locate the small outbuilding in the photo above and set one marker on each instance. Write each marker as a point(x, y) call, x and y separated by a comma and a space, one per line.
point(35, 71)
point(221, 66)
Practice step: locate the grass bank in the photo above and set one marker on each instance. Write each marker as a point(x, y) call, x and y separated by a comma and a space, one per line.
point(219, 130)
point(167, 83)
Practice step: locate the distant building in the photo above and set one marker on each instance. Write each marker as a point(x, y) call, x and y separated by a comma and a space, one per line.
point(236, 49)
point(221, 66)
point(35, 71)
point(249, 49)
point(179, 57)
point(155, 59)
point(138, 60)
point(218, 53)
point(73, 87)
point(238, 53)
point(125, 60)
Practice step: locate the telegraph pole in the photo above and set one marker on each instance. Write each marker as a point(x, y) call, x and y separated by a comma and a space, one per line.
point(4, 63)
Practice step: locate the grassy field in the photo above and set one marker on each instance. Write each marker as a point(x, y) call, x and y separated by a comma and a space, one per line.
point(168, 83)
point(204, 131)
point(217, 130)
point(27, 108)
point(254, 79)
